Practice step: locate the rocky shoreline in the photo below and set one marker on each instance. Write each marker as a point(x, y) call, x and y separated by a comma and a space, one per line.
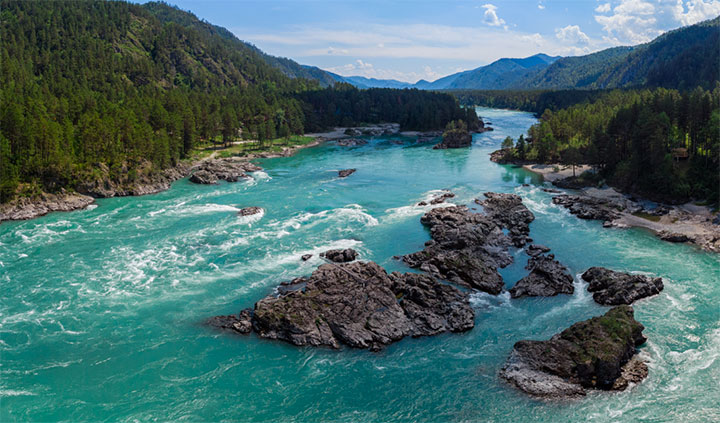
point(686, 223)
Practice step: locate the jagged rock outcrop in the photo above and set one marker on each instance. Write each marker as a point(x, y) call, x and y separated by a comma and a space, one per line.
point(230, 169)
point(358, 304)
point(439, 199)
point(511, 213)
point(536, 249)
point(454, 139)
point(466, 249)
point(586, 207)
point(548, 277)
point(22, 208)
point(613, 288)
point(346, 172)
point(351, 142)
point(673, 236)
point(340, 255)
point(592, 354)
point(249, 211)
point(131, 178)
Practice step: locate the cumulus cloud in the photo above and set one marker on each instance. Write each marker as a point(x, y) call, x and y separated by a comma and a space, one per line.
point(490, 16)
point(541, 6)
point(572, 34)
point(639, 21)
point(603, 8)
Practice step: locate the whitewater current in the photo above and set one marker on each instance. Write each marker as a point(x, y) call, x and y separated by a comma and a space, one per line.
point(101, 309)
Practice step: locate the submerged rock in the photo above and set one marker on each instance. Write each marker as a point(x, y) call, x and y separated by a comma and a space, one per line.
point(231, 169)
point(249, 211)
point(346, 172)
point(511, 213)
point(340, 255)
point(351, 142)
point(466, 248)
point(358, 304)
point(547, 278)
point(591, 354)
point(240, 323)
point(612, 288)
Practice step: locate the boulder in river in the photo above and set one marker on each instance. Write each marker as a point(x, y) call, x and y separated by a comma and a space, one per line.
point(230, 169)
point(358, 304)
point(440, 198)
point(340, 255)
point(612, 288)
point(466, 248)
point(586, 207)
point(593, 354)
point(346, 172)
point(306, 257)
point(249, 211)
point(547, 278)
point(536, 249)
point(351, 142)
point(670, 236)
point(240, 323)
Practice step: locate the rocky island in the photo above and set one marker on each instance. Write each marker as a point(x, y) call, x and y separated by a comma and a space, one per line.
point(598, 353)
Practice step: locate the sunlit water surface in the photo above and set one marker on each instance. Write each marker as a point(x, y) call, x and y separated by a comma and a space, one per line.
point(102, 309)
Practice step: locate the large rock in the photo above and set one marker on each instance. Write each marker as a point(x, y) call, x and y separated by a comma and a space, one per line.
point(22, 208)
point(249, 211)
point(230, 169)
point(466, 249)
point(340, 255)
point(240, 323)
point(131, 177)
point(586, 207)
point(548, 277)
point(511, 213)
point(455, 139)
point(592, 354)
point(358, 304)
point(612, 288)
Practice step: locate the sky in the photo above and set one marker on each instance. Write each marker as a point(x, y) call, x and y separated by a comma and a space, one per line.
point(427, 39)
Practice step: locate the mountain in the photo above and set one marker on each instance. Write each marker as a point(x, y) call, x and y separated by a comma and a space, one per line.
point(684, 58)
point(362, 82)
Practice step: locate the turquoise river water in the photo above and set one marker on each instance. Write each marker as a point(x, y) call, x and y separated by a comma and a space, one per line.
point(102, 309)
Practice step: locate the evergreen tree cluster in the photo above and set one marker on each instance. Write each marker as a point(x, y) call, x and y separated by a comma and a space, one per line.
point(84, 83)
point(658, 142)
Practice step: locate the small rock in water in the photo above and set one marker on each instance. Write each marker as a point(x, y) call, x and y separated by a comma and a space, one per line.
point(340, 256)
point(593, 354)
point(249, 211)
point(441, 198)
point(536, 249)
point(306, 257)
point(346, 172)
point(612, 288)
point(673, 237)
point(240, 323)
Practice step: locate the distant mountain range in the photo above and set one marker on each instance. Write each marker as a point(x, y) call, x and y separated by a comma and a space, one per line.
point(684, 58)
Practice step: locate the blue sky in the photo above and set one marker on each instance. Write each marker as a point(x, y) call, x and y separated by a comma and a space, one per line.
point(411, 40)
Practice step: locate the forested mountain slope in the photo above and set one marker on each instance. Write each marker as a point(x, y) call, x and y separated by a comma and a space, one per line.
point(133, 87)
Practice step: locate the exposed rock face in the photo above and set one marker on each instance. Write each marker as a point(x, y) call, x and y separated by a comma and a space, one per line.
point(351, 142)
point(466, 248)
point(132, 178)
point(547, 278)
point(28, 208)
point(439, 199)
point(231, 170)
point(240, 323)
point(455, 139)
point(673, 237)
point(586, 207)
point(573, 182)
point(612, 288)
point(503, 156)
point(346, 172)
point(591, 354)
point(340, 256)
point(249, 211)
point(511, 213)
point(360, 305)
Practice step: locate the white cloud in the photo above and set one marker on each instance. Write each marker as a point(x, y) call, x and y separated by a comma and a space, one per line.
point(541, 6)
point(697, 10)
point(338, 51)
point(572, 34)
point(490, 16)
point(368, 70)
point(603, 8)
point(639, 21)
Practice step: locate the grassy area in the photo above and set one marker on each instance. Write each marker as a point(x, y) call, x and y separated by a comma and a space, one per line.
point(647, 216)
point(248, 147)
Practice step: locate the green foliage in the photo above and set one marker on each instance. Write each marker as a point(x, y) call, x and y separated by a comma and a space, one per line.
point(507, 143)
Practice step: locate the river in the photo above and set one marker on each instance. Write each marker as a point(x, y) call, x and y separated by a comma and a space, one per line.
point(102, 309)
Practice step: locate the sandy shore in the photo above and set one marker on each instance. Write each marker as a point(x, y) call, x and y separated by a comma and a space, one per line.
point(553, 172)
